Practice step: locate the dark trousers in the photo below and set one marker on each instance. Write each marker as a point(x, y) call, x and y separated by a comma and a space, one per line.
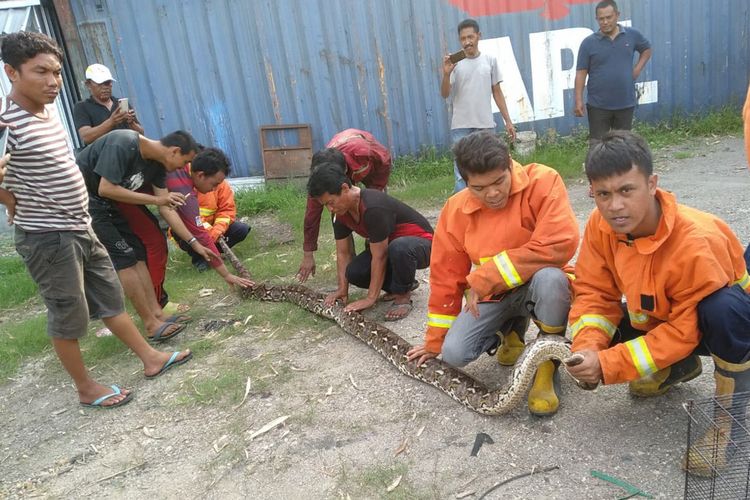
point(405, 256)
point(602, 121)
point(235, 233)
point(146, 227)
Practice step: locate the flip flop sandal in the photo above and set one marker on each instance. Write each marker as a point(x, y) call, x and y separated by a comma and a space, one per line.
point(159, 335)
point(388, 297)
point(171, 363)
point(116, 392)
point(178, 318)
point(175, 308)
point(395, 307)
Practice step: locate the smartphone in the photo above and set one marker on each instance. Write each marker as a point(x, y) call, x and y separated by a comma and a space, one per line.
point(123, 104)
point(457, 56)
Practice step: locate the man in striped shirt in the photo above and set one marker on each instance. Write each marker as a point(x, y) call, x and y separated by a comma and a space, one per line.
point(53, 231)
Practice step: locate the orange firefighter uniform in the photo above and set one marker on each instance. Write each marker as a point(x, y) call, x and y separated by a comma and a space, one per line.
point(663, 278)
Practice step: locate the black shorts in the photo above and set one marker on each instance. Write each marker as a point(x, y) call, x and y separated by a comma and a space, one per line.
point(124, 247)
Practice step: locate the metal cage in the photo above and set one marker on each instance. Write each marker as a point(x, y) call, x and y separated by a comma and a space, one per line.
point(717, 459)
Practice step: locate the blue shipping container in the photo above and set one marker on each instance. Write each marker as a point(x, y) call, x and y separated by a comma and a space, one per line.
point(223, 68)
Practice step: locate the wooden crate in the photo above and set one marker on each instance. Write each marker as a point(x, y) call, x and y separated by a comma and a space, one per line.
point(282, 162)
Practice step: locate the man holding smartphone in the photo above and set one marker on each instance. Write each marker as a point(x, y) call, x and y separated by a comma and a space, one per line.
point(102, 112)
point(468, 82)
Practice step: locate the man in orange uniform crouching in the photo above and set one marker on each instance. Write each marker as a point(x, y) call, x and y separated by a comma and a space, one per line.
point(506, 241)
point(684, 280)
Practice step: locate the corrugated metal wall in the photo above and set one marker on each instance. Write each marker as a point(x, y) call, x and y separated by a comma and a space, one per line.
point(222, 68)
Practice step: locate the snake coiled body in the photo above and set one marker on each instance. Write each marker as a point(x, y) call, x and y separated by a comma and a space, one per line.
point(454, 382)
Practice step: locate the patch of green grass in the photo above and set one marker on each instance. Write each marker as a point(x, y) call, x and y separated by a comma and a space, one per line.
point(21, 341)
point(721, 121)
point(373, 482)
point(226, 382)
point(272, 197)
point(683, 155)
point(564, 154)
point(16, 286)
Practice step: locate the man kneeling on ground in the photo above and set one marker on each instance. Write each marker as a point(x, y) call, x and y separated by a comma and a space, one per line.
point(400, 239)
point(685, 283)
point(208, 170)
point(506, 240)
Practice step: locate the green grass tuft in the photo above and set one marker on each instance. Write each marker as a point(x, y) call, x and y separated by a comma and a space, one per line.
point(21, 341)
point(16, 286)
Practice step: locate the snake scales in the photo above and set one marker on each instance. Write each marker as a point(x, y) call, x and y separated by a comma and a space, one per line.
point(456, 383)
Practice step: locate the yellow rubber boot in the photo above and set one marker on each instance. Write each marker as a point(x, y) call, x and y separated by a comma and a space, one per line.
point(543, 399)
point(710, 454)
point(661, 381)
point(511, 346)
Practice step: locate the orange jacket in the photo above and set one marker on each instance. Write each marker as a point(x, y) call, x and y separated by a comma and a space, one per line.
point(217, 209)
point(663, 277)
point(537, 228)
point(746, 118)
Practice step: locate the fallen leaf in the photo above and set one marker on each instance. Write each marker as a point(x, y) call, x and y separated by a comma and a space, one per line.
point(221, 443)
point(421, 430)
point(351, 379)
point(205, 292)
point(247, 390)
point(465, 494)
point(329, 391)
point(394, 484)
point(270, 425)
point(401, 448)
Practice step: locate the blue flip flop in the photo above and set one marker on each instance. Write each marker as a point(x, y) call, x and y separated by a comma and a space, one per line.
point(173, 361)
point(116, 392)
point(181, 318)
point(159, 334)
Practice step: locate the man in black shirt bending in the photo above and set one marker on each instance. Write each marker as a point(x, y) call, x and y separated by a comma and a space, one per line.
point(400, 241)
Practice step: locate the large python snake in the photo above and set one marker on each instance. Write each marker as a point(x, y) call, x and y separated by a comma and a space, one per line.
point(456, 383)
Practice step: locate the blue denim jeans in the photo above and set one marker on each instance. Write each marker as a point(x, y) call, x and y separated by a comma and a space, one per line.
point(456, 135)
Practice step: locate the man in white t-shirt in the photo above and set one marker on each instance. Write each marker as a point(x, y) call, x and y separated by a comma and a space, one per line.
point(468, 84)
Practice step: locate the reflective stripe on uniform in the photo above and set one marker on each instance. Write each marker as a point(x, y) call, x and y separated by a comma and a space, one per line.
point(744, 281)
point(593, 321)
point(637, 317)
point(440, 320)
point(641, 356)
point(205, 212)
point(507, 270)
point(222, 219)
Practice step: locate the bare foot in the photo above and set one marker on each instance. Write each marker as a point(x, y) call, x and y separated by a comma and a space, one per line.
point(165, 331)
point(158, 362)
point(95, 391)
point(400, 308)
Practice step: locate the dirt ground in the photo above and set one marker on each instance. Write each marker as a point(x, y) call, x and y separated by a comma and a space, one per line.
point(352, 425)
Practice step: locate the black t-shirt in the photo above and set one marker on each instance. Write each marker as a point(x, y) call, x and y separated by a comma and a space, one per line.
point(382, 217)
point(90, 113)
point(117, 157)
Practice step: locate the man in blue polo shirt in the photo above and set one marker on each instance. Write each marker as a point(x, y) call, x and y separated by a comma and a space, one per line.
point(606, 57)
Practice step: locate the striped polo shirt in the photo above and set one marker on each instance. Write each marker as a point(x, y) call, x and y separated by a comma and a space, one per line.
point(42, 173)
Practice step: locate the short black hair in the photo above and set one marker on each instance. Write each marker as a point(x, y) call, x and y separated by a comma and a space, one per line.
point(468, 23)
point(211, 161)
point(616, 154)
point(326, 178)
point(480, 152)
point(182, 140)
point(19, 47)
point(606, 3)
point(328, 155)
